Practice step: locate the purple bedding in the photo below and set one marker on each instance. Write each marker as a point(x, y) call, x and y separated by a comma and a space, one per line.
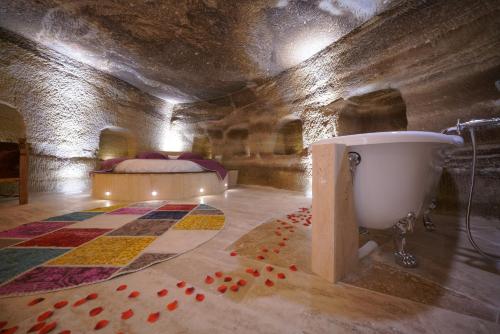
point(107, 166)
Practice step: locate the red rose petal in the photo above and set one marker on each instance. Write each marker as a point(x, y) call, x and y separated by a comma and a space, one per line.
point(36, 301)
point(80, 302)
point(36, 327)
point(162, 293)
point(181, 284)
point(256, 273)
point(222, 288)
point(95, 311)
point(127, 314)
point(173, 305)
point(189, 291)
point(134, 294)
point(200, 297)
point(228, 279)
point(153, 317)
point(92, 296)
point(44, 316)
point(233, 253)
point(121, 287)
point(101, 324)
point(11, 330)
point(61, 304)
point(264, 250)
point(209, 279)
point(219, 274)
point(48, 328)
point(276, 250)
point(260, 257)
point(282, 243)
point(269, 282)
point(269, 268)
point(285, 239)
point(293, 267)
point(241, 282)
point(234, 288)
point(278, 233)
point(281, 276)
point(66, 331)
point(2, 324)
point(250, 270)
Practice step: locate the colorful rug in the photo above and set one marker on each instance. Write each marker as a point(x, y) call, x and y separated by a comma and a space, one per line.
point(91, 246)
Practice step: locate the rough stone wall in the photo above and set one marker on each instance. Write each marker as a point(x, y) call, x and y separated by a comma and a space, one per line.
point(441, 57)
point(65, 105)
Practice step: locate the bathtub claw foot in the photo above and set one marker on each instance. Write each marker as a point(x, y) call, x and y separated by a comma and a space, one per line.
point(427, 220)
point(401, 229)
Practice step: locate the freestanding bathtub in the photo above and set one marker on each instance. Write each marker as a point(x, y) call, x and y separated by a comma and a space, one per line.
point(394, 175)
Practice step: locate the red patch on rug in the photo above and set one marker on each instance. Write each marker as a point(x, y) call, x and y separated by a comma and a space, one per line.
point(127, 314)
point(177, 207)
point(65, 237)
point(153, 317)
point(101, 324)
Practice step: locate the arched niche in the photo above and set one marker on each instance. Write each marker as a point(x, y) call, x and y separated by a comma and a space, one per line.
point(382, 110)
point(202, 145)
point(116, 142)
point(11, 124)
point(289, 137)
point(236, 143)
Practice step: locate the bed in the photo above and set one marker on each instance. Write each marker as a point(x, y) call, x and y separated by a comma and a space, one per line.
point(159, 177)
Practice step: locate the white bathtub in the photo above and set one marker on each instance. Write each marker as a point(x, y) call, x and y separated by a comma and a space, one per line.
point(396, 174)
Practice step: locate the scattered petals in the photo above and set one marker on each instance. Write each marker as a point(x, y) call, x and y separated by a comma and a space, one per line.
point(282, 243)
point(219, 274)
point(2, 324)
point(228, 279)
point(153, 317)
point(276, 250)
point(189, 291)
point(80, 302)
point(134, 294)
point(36, 327)
point(200, 297)
point(173, 305)
point(36, 301)
point(234, 288)
point(61, 304)
point(45, 315)
point(92, 296)
point(233, 253)
point(242, 282)
point(11, 330)
point(209, 279)
point(121, 287)
point(281, 276)
point(269, 282)
point(260, 257)
point(222, 288)
point(250, 270)
point(264, 250)
point(127, 314)
point(293, 267)
point(48, 328)
point(95, 311)
point(269, 268)
point(162, 293)
point(181, 284)
point(256, 273)
point(66, 331)
point(101, 324)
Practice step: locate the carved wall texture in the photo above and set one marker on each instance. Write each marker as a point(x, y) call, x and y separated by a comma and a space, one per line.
point(65, 105)
point(418, 66)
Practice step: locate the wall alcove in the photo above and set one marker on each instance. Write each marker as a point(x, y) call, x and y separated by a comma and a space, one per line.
point(289, 137)
point(116, 142)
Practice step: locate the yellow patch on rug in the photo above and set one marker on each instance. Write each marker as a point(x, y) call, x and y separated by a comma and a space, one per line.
point(198, 222)
point(107, 208)
point(113, 251)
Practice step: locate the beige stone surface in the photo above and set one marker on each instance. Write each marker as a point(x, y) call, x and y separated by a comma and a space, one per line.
point(301, 303)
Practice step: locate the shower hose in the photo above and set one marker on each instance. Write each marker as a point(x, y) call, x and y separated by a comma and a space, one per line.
point(471, 192)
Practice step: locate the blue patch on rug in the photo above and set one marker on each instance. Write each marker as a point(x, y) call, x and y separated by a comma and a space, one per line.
point(14, 261)
point(74, 216)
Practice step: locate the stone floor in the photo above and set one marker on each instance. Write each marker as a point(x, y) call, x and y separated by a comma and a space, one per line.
point(452, 291)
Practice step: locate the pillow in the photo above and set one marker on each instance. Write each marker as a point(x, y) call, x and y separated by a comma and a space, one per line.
point(190, 156)
point(151, 155)
point(110, 163)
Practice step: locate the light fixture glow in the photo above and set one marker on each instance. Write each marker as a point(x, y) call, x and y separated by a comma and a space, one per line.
point(225, 184)
point(154, 193)
point(107, 193)
point(202, 190)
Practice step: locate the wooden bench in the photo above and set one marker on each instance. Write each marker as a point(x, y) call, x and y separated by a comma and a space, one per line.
point(14, 166)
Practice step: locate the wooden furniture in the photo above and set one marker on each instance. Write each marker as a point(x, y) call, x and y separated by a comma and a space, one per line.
point(334, 228)
point(150, 186)
point(14, 160)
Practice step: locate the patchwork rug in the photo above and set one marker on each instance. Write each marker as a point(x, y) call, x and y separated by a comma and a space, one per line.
point(91, 246)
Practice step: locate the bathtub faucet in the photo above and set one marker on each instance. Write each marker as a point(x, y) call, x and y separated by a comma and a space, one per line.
point(472, 124)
